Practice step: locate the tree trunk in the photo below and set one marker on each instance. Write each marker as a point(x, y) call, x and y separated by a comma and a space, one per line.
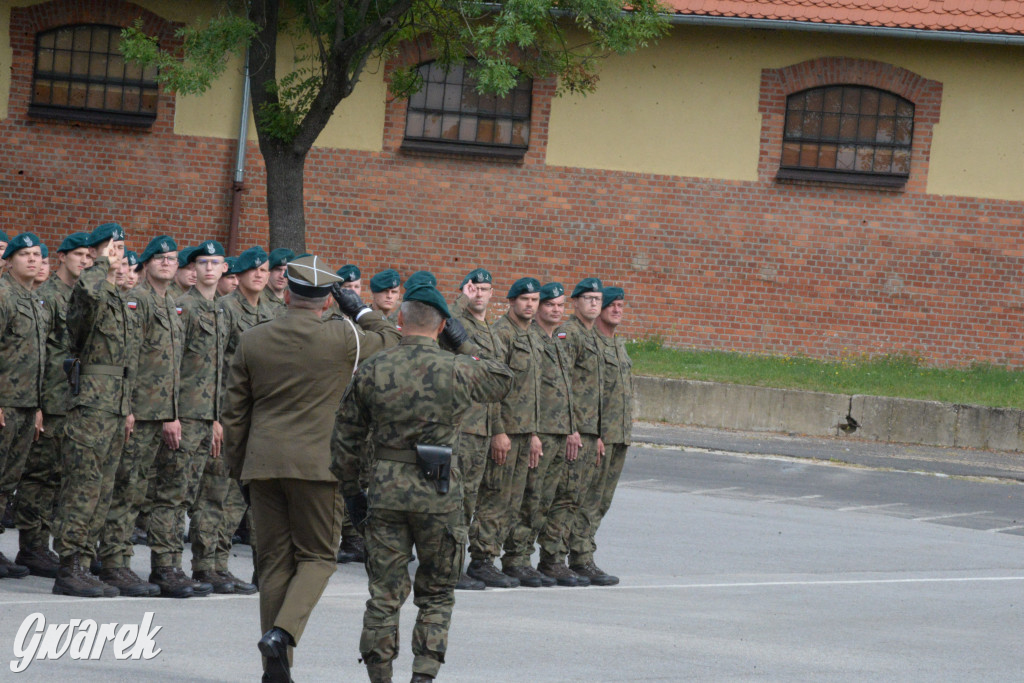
point(284, 198)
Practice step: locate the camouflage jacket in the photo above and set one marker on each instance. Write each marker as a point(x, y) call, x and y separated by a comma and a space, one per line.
point(206, 328)
point(243, 316)
point(554, 400)
point(587, 366)
point(478, 417)
point(24, 323)
point(55, 383)
point(102, 334)
point(412, 394)
point(617, 397)
point(518, 411)
point(158, 381)
point(276, 303)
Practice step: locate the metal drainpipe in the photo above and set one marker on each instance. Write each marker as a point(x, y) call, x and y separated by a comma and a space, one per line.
point(238, 184)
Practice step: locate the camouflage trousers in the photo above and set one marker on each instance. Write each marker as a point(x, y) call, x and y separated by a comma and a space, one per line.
point(93, 442)
point(594, 504)
point(175, 476)
point(15, 443)
point(577, 477)
point(128, 493)
point(472, 453)
point(531, 518)
point(40, 484)
point(215, 515)
point(499, 500)
point(347, 530)
point(439, 540)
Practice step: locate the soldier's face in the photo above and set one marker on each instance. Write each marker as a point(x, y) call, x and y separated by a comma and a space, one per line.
point(612, 313)
point(480, 298)
point(186, 276)
point(131, 278)
point(208, 270)
point(279, 278)
point(24, 263)
point(76, 260)
point(524, 306)
point(43, 272)
point(254, 279)
point(587, 306)
point(551, 311)
point(387, 300)
point(162, 267)
point(227, 283)
point(121, 273)
point(356, 286)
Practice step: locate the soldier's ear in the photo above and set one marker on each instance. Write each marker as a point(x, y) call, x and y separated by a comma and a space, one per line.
point(401, 321)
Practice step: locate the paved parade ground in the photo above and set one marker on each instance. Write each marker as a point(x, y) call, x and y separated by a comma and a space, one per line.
point(733, 567)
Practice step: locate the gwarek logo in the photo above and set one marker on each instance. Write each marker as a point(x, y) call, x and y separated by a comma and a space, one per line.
point(82, 639)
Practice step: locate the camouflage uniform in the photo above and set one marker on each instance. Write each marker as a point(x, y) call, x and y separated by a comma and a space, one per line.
point(413, 394)
point(616, 432)
point(502, 486)
point(276, 303)
point(154, 402)
point(24, 323)
point(177, 472)
point(40, 483)
point(554, 424)
point(101, 333)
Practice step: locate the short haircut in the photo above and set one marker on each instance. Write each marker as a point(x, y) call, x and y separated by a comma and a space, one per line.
point(420, 315)
point(311, 303)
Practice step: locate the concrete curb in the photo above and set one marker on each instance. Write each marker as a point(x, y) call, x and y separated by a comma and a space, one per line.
point(874, 418)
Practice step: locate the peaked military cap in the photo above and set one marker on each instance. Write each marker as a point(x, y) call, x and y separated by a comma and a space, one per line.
point(22, 241)
point(384, 280)
point(132, 258)
point(44, 250)
point(427, 294)
point(207, 248)
point(281, 257)
point(185, 256)
point(310, 276)
point(253, 257)
point(585, 286)
point(477, 277)
point(610, 294)
point(348, 273)
point(232, 262)
point(421, 277)
point(524, 285)
point(551, 290)
point(75, 240)
point(161, 244)
point(107, 231)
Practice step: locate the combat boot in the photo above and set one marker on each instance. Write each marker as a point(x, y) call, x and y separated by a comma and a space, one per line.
point(594, 573)
point(485, 571)
point(379, 673)
point(468, 583)
point(40, 562)
point(353, 549)
point(528, 576)
point(220, 583)
point(11, 570)
point(73, 580)
point(421, 678)
point(172, 582)
point(199, 588)
point(562, 575)
point(127, 582)
point(241, 587)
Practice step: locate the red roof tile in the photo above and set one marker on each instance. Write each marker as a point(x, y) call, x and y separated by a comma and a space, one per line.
point(979, 16)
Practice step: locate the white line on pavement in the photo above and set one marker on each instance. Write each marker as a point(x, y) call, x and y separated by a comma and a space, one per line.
point(790, 498)
point(1004, 528)
point(869, 507)
point(700, 492)
point(959, 514)
point(836, 582)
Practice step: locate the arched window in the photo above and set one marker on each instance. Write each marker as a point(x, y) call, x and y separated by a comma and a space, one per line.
point(81, 74)
point(847, 133)
point(449, 115)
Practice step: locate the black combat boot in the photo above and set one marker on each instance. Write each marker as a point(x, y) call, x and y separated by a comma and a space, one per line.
point(11, 570)
point(596, 575)
point(127, 582)
point(421, 678)
point(353, 549)
point(241, 587)
point(73, 580)
point(485, 571)
point(40, 562)
point(220, 583)
point(468, 583)
point(528, 576)
point(562, 575)
point(172, 582)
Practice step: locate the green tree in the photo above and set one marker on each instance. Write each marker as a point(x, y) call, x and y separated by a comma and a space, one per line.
point(507, 40)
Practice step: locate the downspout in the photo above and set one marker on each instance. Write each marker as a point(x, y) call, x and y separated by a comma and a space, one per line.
point(238, 180)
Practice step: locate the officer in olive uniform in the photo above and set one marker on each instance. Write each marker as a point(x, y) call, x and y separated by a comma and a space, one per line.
point(412, 398)
point(101, 336)
point(24, 324)
point(278, 418)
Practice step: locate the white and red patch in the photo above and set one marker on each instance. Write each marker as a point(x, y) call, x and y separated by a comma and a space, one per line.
point(561, 335)
point(178, 309)
point(133, 305)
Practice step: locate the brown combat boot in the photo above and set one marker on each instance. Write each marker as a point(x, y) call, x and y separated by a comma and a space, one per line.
point(483, 570)
point(11, 570)
point(220, 583)
point(73, 580)
point(596, 575)
point(562, 575)
point(40, 562)
point(241, 587)
point(172, 582)
point(128, 582)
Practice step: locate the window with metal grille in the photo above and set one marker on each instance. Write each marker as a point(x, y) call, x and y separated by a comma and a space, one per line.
point(847, 133)
point(449, 115)
point(81, 74)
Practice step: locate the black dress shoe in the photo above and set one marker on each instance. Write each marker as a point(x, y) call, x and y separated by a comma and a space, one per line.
point(274, 646)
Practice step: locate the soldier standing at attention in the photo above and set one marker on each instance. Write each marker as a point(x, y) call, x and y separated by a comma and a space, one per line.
point(351, 278)
point(185, 276)
point(277, 280)
point(24, 324)
point(515, 446)
point(40, 482)
point(132, 276)
point(101, 338)
point(228, 282)
point(44, 267)
point(412, 398)
point(386, 291)
point(278, 418)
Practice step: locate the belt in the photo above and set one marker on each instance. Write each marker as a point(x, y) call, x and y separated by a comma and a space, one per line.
point(110, 370)
point(407, 455)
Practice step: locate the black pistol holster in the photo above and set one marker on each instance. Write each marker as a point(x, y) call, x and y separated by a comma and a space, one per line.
point(435, 462)
point(73, 369)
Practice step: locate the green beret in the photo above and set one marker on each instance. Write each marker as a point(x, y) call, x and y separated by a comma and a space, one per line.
point(427, 294)
point(184, 256)
point(161, 244)
point(384, 280)
point(3, 236)
point(586, 285)
point(253, 257)
point(348, 273)
point(107, 231)
point(610, 294)
point(551, 290)
point(524, 285)
point(232, 262)
point(75, 240)
point(478, 277)
point(44, 250)
point(310, 276)
point(421, 277)
point(132, 258)
point(19, 242)
point(207, 248)
point(281, 257)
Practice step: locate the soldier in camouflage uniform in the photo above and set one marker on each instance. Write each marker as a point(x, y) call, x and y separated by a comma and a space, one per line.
point(412, 395)
point(277, 279)
point(515, 446)
point(185, 277)
point(43, 274)
point(101, 335)
point(229, 280)
point(386, 293)
point(616, 431)
point(24, 323)
point(40, 482)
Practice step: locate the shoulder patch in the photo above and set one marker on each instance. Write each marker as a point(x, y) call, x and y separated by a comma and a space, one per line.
point(133, 305)
point(178, 309)
point(561, 335)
